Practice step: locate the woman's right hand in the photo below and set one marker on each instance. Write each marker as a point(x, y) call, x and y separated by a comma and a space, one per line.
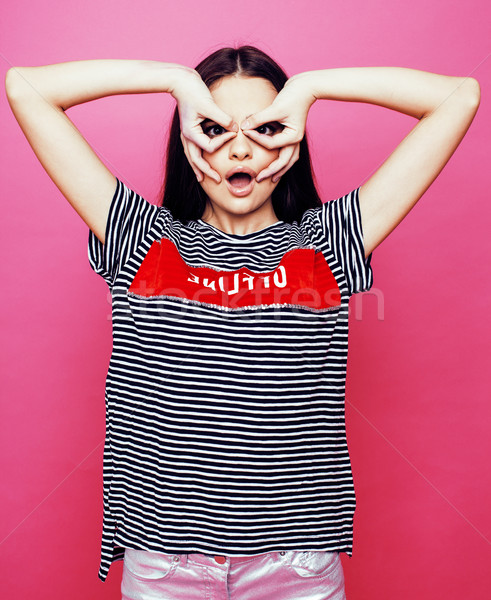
point(40, 96)
point(195, 104)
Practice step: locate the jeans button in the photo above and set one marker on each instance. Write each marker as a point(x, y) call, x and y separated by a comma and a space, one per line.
point(221, 560)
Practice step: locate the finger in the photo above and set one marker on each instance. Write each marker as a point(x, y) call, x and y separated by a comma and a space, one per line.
point(217, 142)
point(199, 174)
point(268, 115)
point(275, 166)
point(196, 159)
point(288, 166)
point(287, 137)
point(216, 114)
point(210, 144)
point(279, 165)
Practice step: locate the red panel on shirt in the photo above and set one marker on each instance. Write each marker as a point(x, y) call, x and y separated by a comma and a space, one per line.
point(303, 278)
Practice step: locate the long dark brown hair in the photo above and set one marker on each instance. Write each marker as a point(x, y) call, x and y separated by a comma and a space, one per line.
point(184, 196)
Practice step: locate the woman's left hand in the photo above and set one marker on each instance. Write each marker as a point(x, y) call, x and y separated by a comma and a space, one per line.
point(290, 109)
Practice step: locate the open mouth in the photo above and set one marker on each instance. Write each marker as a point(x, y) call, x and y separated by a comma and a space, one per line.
point(239, 180)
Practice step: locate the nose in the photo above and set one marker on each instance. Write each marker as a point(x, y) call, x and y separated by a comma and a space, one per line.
point(240, 146)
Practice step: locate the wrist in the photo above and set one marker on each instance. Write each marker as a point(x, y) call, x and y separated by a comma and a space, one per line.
point(180, 78)
point(302, 85)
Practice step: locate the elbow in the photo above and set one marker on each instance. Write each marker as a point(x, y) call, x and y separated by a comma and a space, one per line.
point(26, 87)
point(464, 99)
point(471, 93)
point(15, 84)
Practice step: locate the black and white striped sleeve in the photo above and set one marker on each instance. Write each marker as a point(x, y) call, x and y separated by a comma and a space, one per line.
point(130, 219)
point(341, 223)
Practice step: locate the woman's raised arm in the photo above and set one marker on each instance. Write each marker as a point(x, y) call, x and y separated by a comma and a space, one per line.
point(445, 107)
point(39, 97)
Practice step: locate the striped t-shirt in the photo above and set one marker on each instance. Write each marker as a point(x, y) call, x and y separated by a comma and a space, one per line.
point(225, 390)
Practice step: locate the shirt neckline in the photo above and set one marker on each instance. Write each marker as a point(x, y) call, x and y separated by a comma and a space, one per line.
point(240, 236)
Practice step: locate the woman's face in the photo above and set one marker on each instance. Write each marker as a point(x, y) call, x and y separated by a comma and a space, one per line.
point(239, 200)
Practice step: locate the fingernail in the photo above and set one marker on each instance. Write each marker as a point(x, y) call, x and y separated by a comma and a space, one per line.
point(245, 125)
point(235, 127)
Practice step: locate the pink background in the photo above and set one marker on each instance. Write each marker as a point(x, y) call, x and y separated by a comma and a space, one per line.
point(418, 405)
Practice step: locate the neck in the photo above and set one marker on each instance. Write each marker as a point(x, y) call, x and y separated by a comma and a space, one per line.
point(237, 224)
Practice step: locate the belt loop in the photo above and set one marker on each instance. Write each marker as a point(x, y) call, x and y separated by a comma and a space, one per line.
point(183, 559)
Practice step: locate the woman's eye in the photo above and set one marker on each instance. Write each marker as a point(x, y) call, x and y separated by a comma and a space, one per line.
point(213, 130)
point(269, 128)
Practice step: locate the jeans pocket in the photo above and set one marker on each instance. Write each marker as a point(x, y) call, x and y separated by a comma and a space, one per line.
point(316, 564)
point(149, 566)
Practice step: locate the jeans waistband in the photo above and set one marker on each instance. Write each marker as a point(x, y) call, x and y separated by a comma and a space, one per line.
point(228, 561)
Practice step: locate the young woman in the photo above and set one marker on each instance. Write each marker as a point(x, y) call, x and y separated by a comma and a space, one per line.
point(226, 469)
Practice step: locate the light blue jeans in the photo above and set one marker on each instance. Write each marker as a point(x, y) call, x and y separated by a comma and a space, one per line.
point(272, 576)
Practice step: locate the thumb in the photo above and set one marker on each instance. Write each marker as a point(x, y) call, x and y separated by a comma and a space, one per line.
point(220, 117)
point(268, 115)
